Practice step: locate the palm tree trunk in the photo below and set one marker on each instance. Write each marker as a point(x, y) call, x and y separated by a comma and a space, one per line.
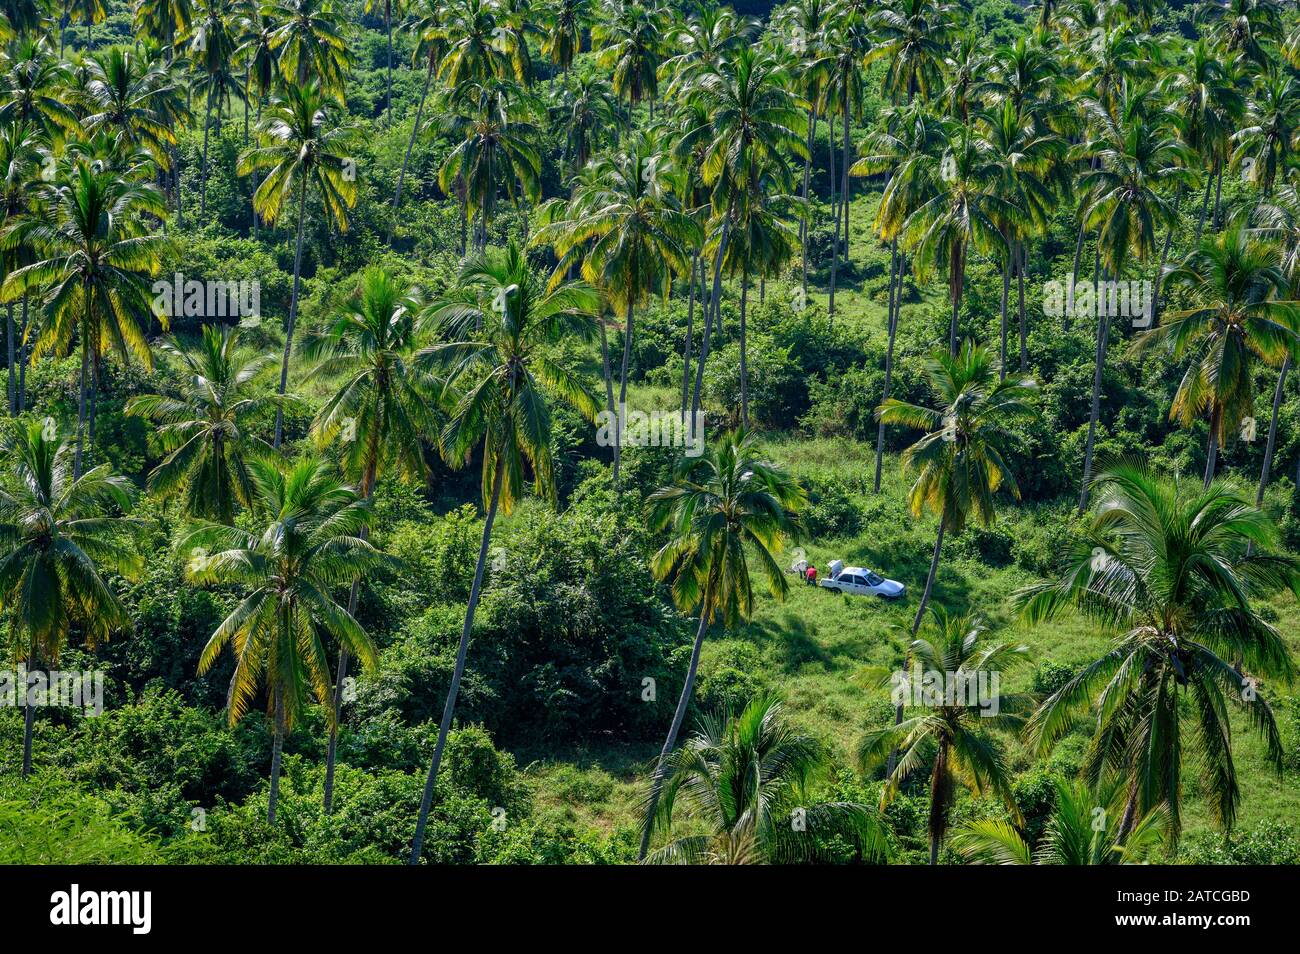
point(1164, 256)
point(388, 28)
point(1205, 203)
point(1218, 196)
point(622, 382)
point(449, 709)
point(1006, 290)
point(1212, 451)
point(952, 323)
point(1271, 443)
point(744, 368)
point(844, 171)
point(916, 625)
point(29, 718)
point(939, 801)
point(410, 143)
point(609, 377)
point(203, 173)
point(929, 580)
point(690, 330)
point(293, 312)
point(835, 214)
point(1074, 275)
point(81, 401)
point(713, 309)
point(679, 715)
point(1020, 307)
point(807, 176)
point(1099, 359)
point(895, 297)
point(24, 351)
point(277, 750)
point(9, 343)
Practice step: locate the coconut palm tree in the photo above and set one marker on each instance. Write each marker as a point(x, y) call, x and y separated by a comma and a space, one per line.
point(950, 739)
point(34, 90)
point(93, 256)
point(303, 145)
point(162, 21)
point(58, 537)
point(496, 329)
point(371, 6)
point(22, 155)
point(426, 22)
point(309, 44)
point(626, 226)
point(1072, 835)
point(213, 39)
point(497, 148)
point(88, 12)
point(745, 780)
point(1239, 316)
point(1125, 201)
point(565, 21)
point(307, 544)
point(203, 427)
point(627, 39)
point(381, 411)
point(722, 506)
point(962, 215)
point(1164, 572)
point(960, 463)
point(912, 39)
point(588, 108)
point(1264, 146)
point(126, 98)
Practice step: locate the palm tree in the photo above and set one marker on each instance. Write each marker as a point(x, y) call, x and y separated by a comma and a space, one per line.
point(626, 226)
point(1072, 835)
point(303, 145)
point(949, 739)
point(57, 538)
point(213, 40)
point(203, 427)
point(496, 148)
point(34, 90)
point(912, 39)
point(427, 24)
point(162, 20)
point(1265, 144)
point(962, 215)
point(960, 461)
point(370, 6)
point(93, 258)
point(746, 780)
point(628, 40)
point(589, 107)
point(127, 96)
point(565, 21)
point(309, 43)
point(381, 409)
point(89, 12)
point(721, 506)
point(750, 123)
point(307, 544)
point(21, 156)
point(1239, 317)
point(1125, 203)
point(496, 328)
point(1164, 571)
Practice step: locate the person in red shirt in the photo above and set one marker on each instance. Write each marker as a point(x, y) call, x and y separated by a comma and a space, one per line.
point(811, 575)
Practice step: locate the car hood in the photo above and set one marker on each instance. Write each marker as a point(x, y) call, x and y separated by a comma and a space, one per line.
point(891, 588)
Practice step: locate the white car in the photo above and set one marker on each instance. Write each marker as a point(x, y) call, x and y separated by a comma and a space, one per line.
point(861, 582)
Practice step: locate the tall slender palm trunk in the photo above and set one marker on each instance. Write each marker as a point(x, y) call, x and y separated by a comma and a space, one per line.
point(621, 413)
point(744, 367)
point(449, 708)
point(410, 144)
point(844, 172)
point(293, 312)
point(81, 400)
point(1212, 450)
point(711, 312)
point(807, 177)
point(10, 331)
point(24, 353)
point(277, 751)
point(1006, 290)
point(203, 173)
point(1164, 256)
point(679, 715)
point(29, 717)
point(916, 625)
point(690, 331)
point(835, 213)
point(1271, 443)
point(1099, 359)
point(1020, 307)
point(895, 303)
point(1205, 203)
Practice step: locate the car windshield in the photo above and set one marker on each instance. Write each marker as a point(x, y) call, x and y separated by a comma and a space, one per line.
point(874, 580)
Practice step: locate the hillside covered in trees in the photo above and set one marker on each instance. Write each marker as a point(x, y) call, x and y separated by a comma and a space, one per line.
point(421, 417)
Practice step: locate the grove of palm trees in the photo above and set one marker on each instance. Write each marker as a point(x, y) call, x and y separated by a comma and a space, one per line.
point(488, 432)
